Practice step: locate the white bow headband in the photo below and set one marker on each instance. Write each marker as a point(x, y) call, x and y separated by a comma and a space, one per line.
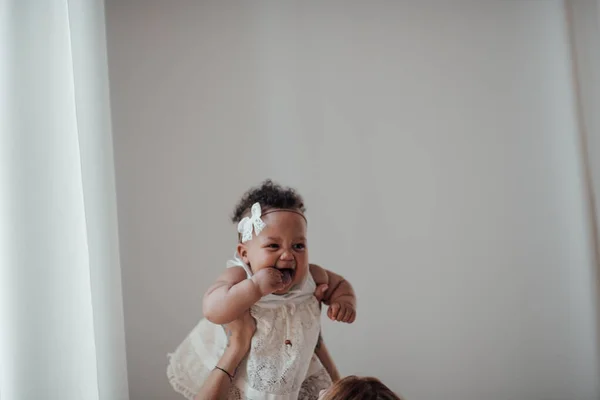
point(247, 224)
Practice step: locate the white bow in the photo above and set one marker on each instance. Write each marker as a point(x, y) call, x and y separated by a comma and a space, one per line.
point(247, 223)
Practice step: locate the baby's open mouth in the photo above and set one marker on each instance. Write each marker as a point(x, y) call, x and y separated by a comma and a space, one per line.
point(287, 274)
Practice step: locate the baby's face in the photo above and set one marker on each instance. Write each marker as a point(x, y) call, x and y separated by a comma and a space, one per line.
point(282, 245)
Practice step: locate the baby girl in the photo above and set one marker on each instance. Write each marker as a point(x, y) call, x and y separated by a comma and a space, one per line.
point(270, 275)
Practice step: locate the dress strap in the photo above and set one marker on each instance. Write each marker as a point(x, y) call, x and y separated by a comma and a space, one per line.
point(236, 261)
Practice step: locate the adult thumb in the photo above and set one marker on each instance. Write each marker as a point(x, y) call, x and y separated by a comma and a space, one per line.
point(320, 291)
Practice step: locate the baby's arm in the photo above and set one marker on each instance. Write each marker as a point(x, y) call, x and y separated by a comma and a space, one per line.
point(232, 294)
point(229, 296)
point(339, 296)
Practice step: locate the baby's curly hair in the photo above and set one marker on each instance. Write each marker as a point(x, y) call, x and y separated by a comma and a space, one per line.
point(269, 195)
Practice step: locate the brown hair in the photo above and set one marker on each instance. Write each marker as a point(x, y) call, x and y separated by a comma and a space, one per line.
point(269, 195)
point(355, 388)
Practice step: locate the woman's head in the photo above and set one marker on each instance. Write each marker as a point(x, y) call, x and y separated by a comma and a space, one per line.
point(355, 388)
point(281, 243)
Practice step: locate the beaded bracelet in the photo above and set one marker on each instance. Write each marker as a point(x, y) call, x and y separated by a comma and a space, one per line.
point(228, 374)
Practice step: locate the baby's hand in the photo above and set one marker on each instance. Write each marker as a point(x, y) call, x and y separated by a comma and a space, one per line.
point(268, 280)
point(342, 311)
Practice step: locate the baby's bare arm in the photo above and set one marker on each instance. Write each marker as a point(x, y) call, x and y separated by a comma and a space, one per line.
point(339, 295)
point(230, 296)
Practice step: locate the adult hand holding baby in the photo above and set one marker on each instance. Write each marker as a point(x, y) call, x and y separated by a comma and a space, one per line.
point(320, 292)
point(239, 332)
point(239, 337)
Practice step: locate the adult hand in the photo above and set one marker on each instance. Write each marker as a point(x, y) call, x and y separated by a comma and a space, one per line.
point(239, 332)
point(320, 292)
point(239, 335)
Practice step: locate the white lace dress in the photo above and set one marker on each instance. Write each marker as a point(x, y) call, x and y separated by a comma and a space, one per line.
point(281, 364)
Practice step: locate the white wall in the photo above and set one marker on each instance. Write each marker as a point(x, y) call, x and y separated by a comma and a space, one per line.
point(436, 146)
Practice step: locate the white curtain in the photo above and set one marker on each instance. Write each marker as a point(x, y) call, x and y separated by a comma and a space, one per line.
point(61, 321)
point(584, 24)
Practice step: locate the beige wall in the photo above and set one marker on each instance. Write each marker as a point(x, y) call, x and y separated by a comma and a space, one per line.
point(436, 146)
